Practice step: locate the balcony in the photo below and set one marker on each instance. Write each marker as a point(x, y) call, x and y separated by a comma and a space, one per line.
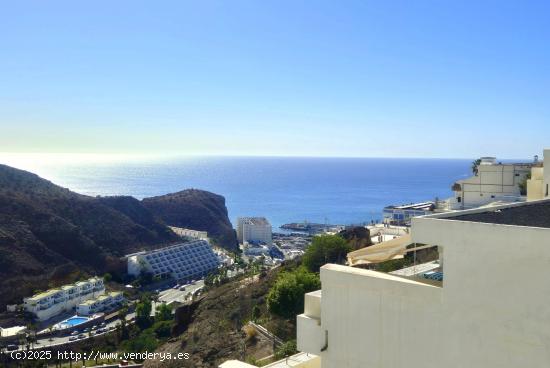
point(311, 336)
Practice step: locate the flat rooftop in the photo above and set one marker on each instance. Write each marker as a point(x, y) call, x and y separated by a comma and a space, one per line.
point(255, 220)
point(533, 215)
point(414, 206)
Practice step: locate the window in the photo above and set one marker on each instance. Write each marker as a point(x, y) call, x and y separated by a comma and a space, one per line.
point(459, 199)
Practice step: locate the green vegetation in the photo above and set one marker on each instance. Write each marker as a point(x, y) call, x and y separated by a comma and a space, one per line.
point(523, 184)
point(286, 297)
point(325, 249)
point(148, 333)
point(285, 350)
point(143, 313)
point(475, 164)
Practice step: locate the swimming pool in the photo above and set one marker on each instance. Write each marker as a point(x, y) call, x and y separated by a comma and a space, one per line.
point(71, 322)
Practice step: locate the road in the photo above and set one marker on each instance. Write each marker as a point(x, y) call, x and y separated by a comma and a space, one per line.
point(61, 340)
point(176, 295)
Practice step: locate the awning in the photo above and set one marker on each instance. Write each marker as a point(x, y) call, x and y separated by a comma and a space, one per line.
point(385, 251)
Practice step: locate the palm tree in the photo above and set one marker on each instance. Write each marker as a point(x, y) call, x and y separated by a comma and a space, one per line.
point(475, 164)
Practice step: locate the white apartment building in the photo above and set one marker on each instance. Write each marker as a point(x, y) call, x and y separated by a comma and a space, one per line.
point(493, 182)
point(55, 301)
point(105, 302)
point(487, 306)
point(182, 261)
point(539, 183)
point(254, 230)
point(190, 233)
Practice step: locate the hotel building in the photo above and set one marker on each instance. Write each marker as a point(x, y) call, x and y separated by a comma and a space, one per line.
point(103, 303)
point(66, 298)
point(182, 261)
point(254, 230)
point(483, 303)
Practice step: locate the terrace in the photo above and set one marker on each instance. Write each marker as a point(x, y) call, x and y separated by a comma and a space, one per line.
point(492, 257)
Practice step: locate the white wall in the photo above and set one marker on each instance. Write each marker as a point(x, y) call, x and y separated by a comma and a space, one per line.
point(546, 183)
point(492, 311)
point(493, 183)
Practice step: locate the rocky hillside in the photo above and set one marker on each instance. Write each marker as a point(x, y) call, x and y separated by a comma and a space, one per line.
point(212, 332)
point(198, 210)
point(50, 235)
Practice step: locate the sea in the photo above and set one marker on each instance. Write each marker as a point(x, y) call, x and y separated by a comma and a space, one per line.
point(283, 189)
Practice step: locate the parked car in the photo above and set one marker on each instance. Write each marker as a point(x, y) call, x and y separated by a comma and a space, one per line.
point(74, 333)
point(182, 288)
point(73, 338)
point(12, 347)
point(81, 336)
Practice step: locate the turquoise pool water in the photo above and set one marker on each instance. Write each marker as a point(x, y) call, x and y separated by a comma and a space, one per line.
point(73, 321)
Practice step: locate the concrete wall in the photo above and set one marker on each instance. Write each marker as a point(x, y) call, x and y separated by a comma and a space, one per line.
point(495, 294)
point(492, 311)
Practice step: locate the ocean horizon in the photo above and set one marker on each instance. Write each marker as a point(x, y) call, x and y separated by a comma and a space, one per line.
point(283, 189)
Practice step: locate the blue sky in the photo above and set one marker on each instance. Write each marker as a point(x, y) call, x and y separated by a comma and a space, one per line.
point(317, 78)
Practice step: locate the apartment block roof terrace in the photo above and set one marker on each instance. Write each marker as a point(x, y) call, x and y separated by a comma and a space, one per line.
point(530, 214)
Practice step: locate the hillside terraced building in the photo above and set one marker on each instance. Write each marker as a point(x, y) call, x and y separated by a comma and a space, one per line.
point(182, 261)
point(483, 303)
point(255, 230)
point(52, 302)
point(103, 303)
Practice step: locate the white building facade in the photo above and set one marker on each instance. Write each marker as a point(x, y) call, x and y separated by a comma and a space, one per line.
point(66, 298)
point(254, 230)
point(538, 186)
point(182, 261)
point(103, 303)
point(493, 182)
point(190, 233)
point(491, 308)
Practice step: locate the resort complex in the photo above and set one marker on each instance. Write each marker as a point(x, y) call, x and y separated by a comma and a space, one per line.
point(255, 230)
point(50, 303)
point(182, 261)
point(103, 303)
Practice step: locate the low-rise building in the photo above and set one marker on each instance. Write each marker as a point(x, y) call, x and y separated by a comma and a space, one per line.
point(12, 334)
point(103, 303)
point(539, 182)
point(402, 215)
point(190, 233)
point(256, 230)
point(493, 182)
point(182, 261)
point(483, 303)
point(52, 302)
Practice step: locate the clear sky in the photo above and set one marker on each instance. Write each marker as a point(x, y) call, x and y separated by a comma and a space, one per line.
point(319, 78)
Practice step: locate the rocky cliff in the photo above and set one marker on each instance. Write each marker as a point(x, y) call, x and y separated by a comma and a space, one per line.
point(50, 235)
